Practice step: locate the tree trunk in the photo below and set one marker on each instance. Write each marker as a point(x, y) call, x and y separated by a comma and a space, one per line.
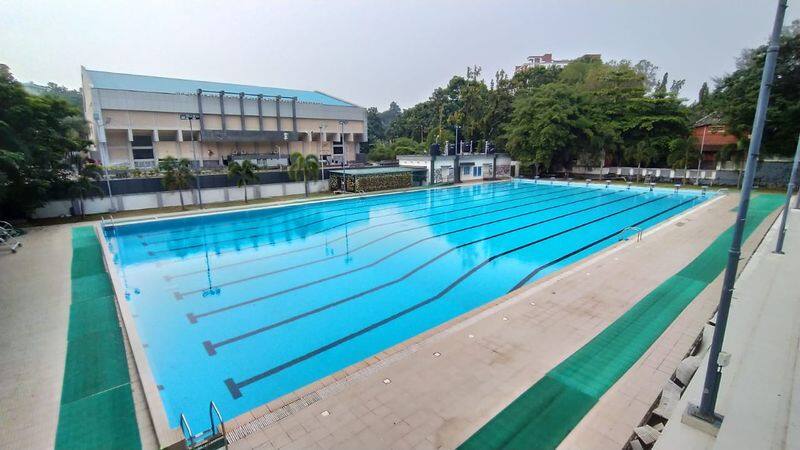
point(305, 182)
point(638, 171)
point(83, 208)
point(245, 192)
point(180, 194)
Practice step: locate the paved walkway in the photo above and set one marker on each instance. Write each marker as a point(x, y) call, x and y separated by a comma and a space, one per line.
point(760, 392)
point(34, 311)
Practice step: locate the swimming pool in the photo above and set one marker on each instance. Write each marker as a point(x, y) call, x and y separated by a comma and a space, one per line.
point(244, 307)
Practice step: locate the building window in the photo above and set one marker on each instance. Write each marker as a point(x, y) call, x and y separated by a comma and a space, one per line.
point(143, 153)
point(142, 146)
point(338, 148)
point(477, 171)
point(465, 170)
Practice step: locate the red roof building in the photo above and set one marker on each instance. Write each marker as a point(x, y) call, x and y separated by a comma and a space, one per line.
point(712, 136)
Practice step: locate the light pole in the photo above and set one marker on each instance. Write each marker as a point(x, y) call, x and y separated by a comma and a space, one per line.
point(319, 153)
point(708, 400)
point(104, 158)
point(190, 118)
point(457, 127)
point(344, 155)
point(789, 192)
point(700, 160)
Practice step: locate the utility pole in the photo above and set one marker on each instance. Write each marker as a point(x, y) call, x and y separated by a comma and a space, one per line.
point(700, 160)
point(708, 400)
point(789, 192)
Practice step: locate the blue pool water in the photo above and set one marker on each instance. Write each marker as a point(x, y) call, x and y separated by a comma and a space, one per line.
point(243, 307)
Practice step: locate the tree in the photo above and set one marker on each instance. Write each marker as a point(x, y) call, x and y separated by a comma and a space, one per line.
point(177, 175)
point(735, 95)
point(246, 173)
point(375, 125)
point(37, 135)
point(304, 168)
point(83, 186)
point(702, 96)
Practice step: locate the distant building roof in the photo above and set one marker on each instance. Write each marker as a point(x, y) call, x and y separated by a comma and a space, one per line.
point(377, 170)
point(709, 119)
point(146, 83)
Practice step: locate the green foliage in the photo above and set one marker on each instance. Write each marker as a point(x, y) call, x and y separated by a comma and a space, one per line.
point(386, 151)
point(303, 168)
point(736, 94)
point(244, 172)
point(382, 182)
point(177, 175)
point(37, 136)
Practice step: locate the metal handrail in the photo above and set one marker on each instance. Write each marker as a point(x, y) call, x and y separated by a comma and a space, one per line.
point(212, 409)
point(184, 428)
point(719, 191)
point(638, 233)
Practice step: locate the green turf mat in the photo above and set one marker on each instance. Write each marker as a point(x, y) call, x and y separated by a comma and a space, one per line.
point(543, 415)
point(97, 409)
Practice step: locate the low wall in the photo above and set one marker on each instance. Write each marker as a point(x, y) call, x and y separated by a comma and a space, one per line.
point(771, 174)
point(148, 200)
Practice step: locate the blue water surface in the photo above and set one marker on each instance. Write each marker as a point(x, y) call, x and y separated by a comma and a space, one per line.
point(244, 307)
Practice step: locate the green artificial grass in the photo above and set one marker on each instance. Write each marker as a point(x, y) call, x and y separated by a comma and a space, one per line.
point(543, 415)
point(97, 409)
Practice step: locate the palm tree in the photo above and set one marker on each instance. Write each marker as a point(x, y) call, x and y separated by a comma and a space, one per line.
point(83, 186)
point(177, 175)
point(246, 171)
point(304, 168)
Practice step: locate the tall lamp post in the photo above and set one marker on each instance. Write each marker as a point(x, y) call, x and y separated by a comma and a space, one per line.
point(190, 118)
point(716, 358)
point(344, 156)
point(103, 144)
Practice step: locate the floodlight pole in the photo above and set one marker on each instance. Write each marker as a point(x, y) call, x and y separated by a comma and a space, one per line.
point(344, 158)
point(104, 157)
point(789, 192)
point(191, 117)
point(713, 377)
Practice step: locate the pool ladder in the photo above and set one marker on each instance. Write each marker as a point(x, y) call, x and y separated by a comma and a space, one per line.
point(636, 229)
point(211, 438)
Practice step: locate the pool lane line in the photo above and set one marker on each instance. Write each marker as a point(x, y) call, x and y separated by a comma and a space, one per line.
point(362, 209)
point(372, 227)
point(194, 317)
point(277, 210)
point(211, 347)
point(298, 227)
point(235, 387)
point(181, 294)
point(536, 271)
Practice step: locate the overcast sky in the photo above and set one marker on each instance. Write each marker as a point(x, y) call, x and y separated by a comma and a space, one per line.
point(373, 51)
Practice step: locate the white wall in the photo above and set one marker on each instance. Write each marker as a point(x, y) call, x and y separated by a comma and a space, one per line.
point(130, 202)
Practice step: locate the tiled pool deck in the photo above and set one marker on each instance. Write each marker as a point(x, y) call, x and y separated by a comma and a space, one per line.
point(443, 386)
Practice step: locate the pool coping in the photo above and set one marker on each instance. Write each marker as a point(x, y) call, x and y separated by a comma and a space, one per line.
point(271, 412)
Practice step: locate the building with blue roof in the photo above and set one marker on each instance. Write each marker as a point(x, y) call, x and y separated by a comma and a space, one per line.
point(138, 119)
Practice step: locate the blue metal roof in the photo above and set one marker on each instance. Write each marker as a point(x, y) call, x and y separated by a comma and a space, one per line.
point(146, 83)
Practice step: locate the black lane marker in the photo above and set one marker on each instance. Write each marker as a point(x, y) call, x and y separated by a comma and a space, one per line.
point(536, 271)
point(193, 317)
point(287, 230)
point(180, 295)
point(317, 206)
point(235, 387)
point(211, 347)
point(217, 251)
point(299, 218)
point(372, 227)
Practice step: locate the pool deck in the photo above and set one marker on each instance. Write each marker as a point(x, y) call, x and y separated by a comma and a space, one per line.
point(443, 385)
point(760, 391)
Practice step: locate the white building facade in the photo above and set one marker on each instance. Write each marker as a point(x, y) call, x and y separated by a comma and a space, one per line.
point(137, 120)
